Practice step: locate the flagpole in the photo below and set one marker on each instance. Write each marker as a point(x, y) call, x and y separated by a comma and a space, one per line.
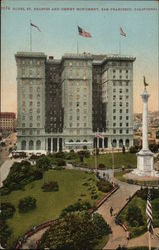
point(30, 37)
point(77, 47)
point(149, 240)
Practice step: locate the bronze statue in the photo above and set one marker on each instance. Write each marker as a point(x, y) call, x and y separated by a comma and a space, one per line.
point(145, 83)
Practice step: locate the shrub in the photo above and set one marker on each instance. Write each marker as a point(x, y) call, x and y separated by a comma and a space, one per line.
point(104, 186)
point(27, 204)
point(101, 225)
point(5, 233)
point(60, 155)
point(78, 206)
point(101, 166)
point(7, 210)
point(61, 162)
point(134, 216)
point(51, 186)
point(142, 193)
point(133, 149)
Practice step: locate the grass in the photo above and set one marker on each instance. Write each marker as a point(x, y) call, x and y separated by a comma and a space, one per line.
point(120, 160)
point(50, 204)
point(136, 231)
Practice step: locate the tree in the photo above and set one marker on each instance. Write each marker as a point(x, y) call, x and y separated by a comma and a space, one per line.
point(26, 204)
point(74, 231)
point(43, 163)
point(134, 216)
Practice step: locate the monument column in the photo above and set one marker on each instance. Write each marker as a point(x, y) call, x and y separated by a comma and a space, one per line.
point(145, 97)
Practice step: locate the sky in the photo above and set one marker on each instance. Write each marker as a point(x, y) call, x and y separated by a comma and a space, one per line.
point(59, 35)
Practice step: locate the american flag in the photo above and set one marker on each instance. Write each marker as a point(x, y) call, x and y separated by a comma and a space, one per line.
point(122, 33)
point(149, 213)
point(35, 26)
point(99, 136)
point(83, 33)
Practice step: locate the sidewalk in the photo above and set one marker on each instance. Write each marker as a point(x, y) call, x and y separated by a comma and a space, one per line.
point(117, 201)
point(4, 170)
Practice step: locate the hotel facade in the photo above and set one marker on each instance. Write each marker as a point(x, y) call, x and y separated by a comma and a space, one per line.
point(64, 104)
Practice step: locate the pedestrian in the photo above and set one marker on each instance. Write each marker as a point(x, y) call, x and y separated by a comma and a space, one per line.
point(111, 211)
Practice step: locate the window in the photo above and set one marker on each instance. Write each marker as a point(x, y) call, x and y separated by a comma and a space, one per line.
point(85, 125)
point(113, 83)
point(120, 90)
point(114, 131)
point(120, 110)
point(120, 117)
point(70, 118)
point(114, 124)
point(114, 70)
point(127, 104)
point(127, 83)
point(120, 70)
point(114, 117)
point(127, 124)
point(31, 103)
point(114, 104)
point(127, 110)
point(85, 103)
point(127, 90)
point(114, 97)
point(120, 83)
point(23, 131)
point(120, 104)
point(31, 125)
point(127, 131)
point(31, 118)
point(120, 98)
point(70, 125)
point(114, 110)
point(114, 90)
point(127, 97)
point(120, 131)
point(78, 124)
point(127, 117)
point(120, 124)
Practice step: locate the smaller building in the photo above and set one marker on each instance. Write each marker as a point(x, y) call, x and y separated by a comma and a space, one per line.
point(7, 122)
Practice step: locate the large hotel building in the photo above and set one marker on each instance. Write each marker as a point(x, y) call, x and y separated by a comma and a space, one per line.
point(64, 104)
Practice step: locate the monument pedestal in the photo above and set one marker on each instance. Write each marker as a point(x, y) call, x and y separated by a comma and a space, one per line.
point(145, 164)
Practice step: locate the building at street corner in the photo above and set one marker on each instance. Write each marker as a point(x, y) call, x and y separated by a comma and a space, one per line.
point(63, 104)
point(7, 122)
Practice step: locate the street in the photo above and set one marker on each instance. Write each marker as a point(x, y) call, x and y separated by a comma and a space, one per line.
point(4, 151)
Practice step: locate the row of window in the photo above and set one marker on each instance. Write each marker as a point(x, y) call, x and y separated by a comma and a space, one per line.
point(120, 104)
point(120, 117)
point(121, 111)
point(121, 124)
point(24, 62)
point(31, 125)
point(120, 131)
point(78, 125)
point(31, 131)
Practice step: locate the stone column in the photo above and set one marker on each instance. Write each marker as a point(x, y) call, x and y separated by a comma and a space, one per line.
point(57, 144)
point(145, 97)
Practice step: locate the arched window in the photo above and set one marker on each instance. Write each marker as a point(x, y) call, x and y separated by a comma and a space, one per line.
point(84, 140)
point(120, 143)
point(23, 145)
point(127, 143)
point(31, 145)
point(70, 140)
point(114, 144)
point(38, 145)
point(78, 141)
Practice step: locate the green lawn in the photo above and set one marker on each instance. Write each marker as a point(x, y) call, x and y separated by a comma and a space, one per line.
point(136, 231)
point(50, 204)
point(120, 160)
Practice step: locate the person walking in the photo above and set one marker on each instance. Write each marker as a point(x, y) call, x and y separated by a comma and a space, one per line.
point(111, 211)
